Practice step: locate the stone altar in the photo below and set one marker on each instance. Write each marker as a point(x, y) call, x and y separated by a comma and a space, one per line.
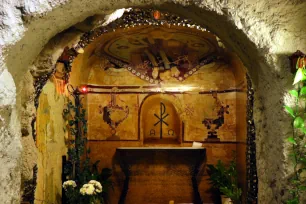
point(191, 157)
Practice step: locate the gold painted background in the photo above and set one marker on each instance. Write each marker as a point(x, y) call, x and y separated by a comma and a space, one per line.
point(189, 108)
point(153, 186)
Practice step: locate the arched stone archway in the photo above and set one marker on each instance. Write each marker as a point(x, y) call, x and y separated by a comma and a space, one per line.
point(259, 37)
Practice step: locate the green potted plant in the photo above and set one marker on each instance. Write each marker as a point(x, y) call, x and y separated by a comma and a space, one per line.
point(86, 184)
point(297, 152)
point(226, 181)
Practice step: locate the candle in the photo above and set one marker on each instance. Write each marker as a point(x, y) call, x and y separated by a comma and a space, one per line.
point(171, 202)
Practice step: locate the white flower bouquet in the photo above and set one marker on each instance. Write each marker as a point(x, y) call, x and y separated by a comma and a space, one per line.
point(88, 193)
point(69, 184)
point(91, 188)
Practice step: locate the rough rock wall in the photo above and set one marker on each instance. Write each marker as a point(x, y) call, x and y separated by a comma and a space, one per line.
point(10, 137)
point(27, 115)
point(261, 32)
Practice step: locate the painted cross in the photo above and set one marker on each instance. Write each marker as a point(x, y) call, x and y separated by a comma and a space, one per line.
point(161, 118)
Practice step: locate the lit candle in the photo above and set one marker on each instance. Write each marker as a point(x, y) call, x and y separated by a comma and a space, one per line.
point(171, 202)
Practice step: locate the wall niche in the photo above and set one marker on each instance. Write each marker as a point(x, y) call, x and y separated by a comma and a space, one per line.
point(214, 95)
point(160, 122)
point(156, 86)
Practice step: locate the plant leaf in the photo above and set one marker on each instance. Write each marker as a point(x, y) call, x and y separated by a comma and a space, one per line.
point(298, 76)
point(293, 201)
point(303, 129)
point(303, 91)
point(71, 122)
point(303, 160)
point(295, 181)
point(298, 122)
point(295, 93)
point(291, 140)
point(290, 111)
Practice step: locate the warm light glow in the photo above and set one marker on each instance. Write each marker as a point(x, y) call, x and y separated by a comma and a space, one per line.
point(179, 88)
point(156, 15)
point(84, 89)
point(79, 50)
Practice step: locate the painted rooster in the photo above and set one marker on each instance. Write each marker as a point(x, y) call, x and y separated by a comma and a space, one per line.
point(212, 124)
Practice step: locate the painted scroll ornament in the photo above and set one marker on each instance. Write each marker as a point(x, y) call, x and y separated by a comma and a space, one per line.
point(113, 115)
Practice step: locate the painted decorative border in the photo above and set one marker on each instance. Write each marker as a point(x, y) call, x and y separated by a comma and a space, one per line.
point(142, 76)
point(251, 174)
